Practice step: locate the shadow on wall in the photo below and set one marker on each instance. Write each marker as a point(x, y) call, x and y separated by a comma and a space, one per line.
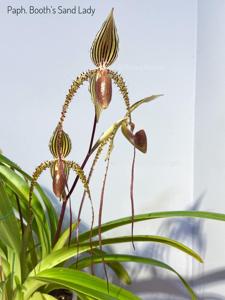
point(169, 289)
point(163, 287)
point(157, 284)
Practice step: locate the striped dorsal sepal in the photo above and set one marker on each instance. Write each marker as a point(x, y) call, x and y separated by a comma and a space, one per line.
point(105, 47)
point(60, 144)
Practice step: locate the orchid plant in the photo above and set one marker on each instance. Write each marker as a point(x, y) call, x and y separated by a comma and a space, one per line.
point(35, 254)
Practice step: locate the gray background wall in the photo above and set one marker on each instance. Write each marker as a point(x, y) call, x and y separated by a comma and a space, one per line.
point(209, 170)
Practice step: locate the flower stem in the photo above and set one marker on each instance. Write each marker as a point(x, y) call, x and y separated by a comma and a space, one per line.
point(63, 208)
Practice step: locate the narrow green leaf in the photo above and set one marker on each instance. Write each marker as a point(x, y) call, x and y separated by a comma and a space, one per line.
point(6, 161)
point(105, 136)
point(85, 262)
point(41, 296)
point(117, 268)
point(59, 256)
point(85, 283)
point(10, 234)
point(84, 297)
point(151, 216)
point(4, 264)
point(149, 238)
point(63, 238)
point(145, 100)
point(14, 278)
point(28, 260)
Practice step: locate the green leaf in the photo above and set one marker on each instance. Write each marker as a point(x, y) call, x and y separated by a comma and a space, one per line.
point(152, 216)
point(41, 296)
point(15, 268)
point(105, 136)
point(4, 263)
point(83, 297)
point(148, 238)
point(120, 272)
point(10, 234)
point(64, 238)
point(59, 256)
point(145, 100)
point(84, 283)
point(117, 268)
point(21, 188)
point(52, 215)
point(3, 249)
point(85, 262)
point(6, 161)
point(28, 256)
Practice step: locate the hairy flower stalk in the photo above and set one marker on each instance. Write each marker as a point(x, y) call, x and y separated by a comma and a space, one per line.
point(119, 81)
point(107, 139)
point(77, 83)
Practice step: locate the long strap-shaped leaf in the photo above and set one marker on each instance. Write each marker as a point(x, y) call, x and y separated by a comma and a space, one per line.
point(84, 283)
point(85, 262)
point(151, 216)
point(150, 238)
point(41, 296)
point(10, 234)
point(118, 269)
point(59, 256)
point(64, 237)
point(84, 297)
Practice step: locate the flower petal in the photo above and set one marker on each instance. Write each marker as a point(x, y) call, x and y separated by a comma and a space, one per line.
point(103, 88)
point(140, 141)
point(59, 178)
